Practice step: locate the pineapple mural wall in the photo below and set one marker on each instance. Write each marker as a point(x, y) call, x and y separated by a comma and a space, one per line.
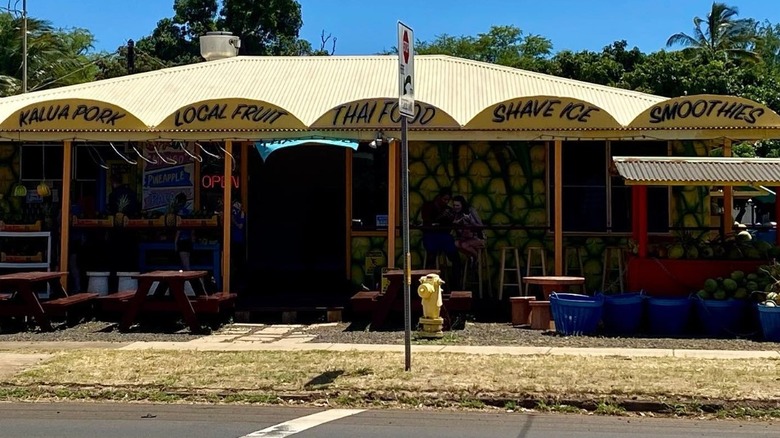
point(690, 205)
point(504, 181)
point(9, 176)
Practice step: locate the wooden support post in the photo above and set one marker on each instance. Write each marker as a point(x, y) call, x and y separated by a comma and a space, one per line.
point(642, 220)
point(226, 214)
point(196, 178)
point(392, 196)
point(244, 177)
point(558, 227)
point(244, 189)
point(67, 161)
point(728, 197)
point(348, 158)
point(777, 216)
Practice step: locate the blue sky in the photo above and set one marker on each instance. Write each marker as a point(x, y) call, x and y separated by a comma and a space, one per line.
point(368, 26)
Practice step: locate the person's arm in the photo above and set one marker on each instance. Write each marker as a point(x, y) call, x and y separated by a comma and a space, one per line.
point(176, 241)
point(475, 217)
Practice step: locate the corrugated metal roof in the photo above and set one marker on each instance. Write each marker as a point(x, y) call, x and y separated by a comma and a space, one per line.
point(698, 170)
point(308, 87)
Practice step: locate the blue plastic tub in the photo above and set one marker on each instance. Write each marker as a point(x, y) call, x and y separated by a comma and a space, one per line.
point(722, 318)
point(770, 322)
point(668, 316)
point(623, 313)
point(576, 314)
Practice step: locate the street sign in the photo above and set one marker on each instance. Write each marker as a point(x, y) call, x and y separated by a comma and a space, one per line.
point(405, 70)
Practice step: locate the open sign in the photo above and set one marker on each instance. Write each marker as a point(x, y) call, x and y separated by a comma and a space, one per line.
point(211, 181)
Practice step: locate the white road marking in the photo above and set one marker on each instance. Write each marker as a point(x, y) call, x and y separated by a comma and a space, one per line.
point(297, 425)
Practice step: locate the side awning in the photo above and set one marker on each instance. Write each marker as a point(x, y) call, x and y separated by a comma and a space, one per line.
point(704, 171)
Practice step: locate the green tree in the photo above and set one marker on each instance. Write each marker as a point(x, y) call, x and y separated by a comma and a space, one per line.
point(266, 27)
point(504, 45)
point(55, 57)
point(720, 35)
point(606, 67)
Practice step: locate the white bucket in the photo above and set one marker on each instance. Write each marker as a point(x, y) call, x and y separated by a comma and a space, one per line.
point(98, 282)
point(126, 281)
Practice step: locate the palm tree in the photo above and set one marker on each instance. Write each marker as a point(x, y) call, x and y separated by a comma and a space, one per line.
point(54, 57)
point(723, 35)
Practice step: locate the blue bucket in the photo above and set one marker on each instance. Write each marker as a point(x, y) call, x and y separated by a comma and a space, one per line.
point(668, 316)
point(576, 314)
point(623, 313)
point(770, 322)
point(722, 318)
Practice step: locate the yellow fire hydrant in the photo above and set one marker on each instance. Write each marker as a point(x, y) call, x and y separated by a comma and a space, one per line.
point(430, 292)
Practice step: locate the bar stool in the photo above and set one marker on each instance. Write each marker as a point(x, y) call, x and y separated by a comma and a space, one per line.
point(569, 252)
point(439, 261)
point(610, 254)
point(530, 260)
point(483, 264)
point(503, 269)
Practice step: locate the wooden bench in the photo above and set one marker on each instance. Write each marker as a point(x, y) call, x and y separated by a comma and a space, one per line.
point(4, 297)
point(114, 302)
point(364, 301)
point(70, 300)
point(452, 303)
point(290, 314)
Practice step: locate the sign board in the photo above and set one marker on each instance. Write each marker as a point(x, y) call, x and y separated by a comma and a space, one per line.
point(405, 70)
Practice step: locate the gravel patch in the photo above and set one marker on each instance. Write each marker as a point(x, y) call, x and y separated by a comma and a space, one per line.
point(99, 331)
point(473, 333)
point(506, 334)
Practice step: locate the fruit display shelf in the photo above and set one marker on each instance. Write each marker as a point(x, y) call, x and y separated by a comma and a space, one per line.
point(14, 258)
point(145, 223)
point(92, 223)
point(185, 222)
point(21, 227)
point(680, 277)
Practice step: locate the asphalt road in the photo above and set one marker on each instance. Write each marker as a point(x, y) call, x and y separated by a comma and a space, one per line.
point(73, 420)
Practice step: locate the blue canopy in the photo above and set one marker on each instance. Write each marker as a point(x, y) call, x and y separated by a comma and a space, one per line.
point(266, 147)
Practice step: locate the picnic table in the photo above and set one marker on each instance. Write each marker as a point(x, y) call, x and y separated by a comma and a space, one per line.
point(553, 283)
point(380, 305)
point(23, 299)
point(170, 295)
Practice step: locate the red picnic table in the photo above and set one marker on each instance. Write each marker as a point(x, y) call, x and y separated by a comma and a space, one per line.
point(553, 283)
point(23, 300)
point(170, 295)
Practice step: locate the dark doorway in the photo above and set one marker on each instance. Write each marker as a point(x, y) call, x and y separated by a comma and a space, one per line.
point(297, 214)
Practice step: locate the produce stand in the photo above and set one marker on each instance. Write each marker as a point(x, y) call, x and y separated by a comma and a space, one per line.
point(681, 276)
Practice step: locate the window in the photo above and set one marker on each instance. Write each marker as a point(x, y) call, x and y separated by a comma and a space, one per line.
point(89, 159)
point(595, 201)
point(369, 185)
point(41, 160)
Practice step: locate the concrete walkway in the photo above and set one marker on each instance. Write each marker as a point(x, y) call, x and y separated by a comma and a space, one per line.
point(293, 337)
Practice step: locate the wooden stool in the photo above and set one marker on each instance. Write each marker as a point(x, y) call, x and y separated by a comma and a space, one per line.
point(540, 315)
point(503, 269)
point(483, 264)
point(521, 310)
point(574, 251)
point(439, 261)
point(529, 262)
point(609, 256)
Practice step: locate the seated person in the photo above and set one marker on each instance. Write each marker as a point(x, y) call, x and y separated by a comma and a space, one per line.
point(437, 217)
point(469, 238)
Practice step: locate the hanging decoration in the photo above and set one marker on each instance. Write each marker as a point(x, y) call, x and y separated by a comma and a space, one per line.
point(43, 188)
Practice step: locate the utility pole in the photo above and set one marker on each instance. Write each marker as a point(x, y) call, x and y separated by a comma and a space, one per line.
point(130, 56)
point(24, 46)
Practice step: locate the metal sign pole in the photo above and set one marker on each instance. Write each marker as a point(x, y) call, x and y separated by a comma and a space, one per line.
point(406, 110)
point(406, 250)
